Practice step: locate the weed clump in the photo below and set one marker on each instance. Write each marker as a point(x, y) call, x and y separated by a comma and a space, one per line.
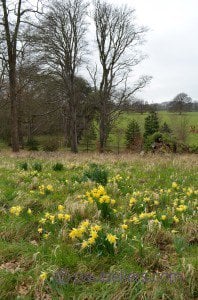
point(96, 173)
point(58, 167)
point(24, 166)
point(37, 166)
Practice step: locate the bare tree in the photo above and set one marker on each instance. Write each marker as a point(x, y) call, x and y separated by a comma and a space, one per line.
point(2, 80)
point(181, 103)
point(63, 39)
point(180, 125)
point(13, 14)
point(117, 39)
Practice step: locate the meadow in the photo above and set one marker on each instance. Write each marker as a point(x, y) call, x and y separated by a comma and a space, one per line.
point(98, 226)
point(173, 120)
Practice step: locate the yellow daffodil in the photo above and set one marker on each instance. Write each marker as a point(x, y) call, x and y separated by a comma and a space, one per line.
point(67, 217)
point(146, 215)
point(135, 220)
point(50, 188)
point(61, 217)
point(146, 199)
point(82, 229)
point(104, 199)
point(124, 226)
point(96, 228)
point(40, 230)
point(94, 234)
point(47, 215)
point(175, 219)
point(181, 208)
point(90, 199)
point(60, 207)
point(174, 185)
point(156, 221)
point(16, 210)
point(75, 233)
point(111, 238)
point(84, 244)
point(85, 223)
point(42, 220)
point(52, 218)
point(43, 276)
point(46, 235)
point(91, 240)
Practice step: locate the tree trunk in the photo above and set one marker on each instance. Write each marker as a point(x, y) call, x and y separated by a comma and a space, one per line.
point(103, 134)
point(21, 139)
point(74, 138)
point(20, 126)
point(66, 130)
point(14, 110)
point(30, 136)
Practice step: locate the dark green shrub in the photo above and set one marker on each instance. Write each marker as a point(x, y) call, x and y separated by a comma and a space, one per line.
point(133, 135)
point(32, 145)
point(24, 166)
point(151, 139)
point(58, 167)
point(50, 145)
point(166, 141)
point(165, 128)
point(96, 173)
point(157, 137)
point(37, 166)
point(170, 141)
point(151, 124)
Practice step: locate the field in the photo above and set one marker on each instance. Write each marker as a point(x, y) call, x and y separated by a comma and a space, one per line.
point(98, 226)
point(172, 119)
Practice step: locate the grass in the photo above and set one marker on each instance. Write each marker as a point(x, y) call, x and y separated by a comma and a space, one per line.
point(170, 118)
point(154, 258)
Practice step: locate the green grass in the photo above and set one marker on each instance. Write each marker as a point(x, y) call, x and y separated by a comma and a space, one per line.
point(164, 116)
point(145, 250)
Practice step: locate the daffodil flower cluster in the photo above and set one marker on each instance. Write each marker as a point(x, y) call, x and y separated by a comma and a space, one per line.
point(92, 236)
point(153, 205)
point(116, 178)
point(43, 190)
point(103, 201)
point(16, 210)
point(51, 218)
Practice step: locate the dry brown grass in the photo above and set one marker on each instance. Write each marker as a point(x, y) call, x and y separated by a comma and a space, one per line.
point(176, 159)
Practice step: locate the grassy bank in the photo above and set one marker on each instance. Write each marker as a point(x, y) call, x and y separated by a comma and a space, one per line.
point(56, 243)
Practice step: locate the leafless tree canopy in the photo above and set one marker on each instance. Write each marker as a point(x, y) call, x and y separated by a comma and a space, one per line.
point(13, 14)
point(43, 47)
point(63, 46)
point(117, 38)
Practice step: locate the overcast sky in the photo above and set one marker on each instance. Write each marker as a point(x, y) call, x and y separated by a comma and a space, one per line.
point(172, 47)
